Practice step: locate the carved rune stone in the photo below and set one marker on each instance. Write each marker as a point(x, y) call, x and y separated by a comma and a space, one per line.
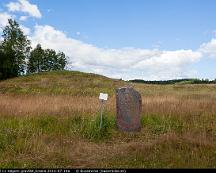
point(129, 106)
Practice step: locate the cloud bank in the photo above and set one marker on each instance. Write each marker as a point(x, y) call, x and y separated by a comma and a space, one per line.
point(209, 48)
point(126, 63)
point(26, 7)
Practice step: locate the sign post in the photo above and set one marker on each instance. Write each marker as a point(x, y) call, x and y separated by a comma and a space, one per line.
point(102, 97)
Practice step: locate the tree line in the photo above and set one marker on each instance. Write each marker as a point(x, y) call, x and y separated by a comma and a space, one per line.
point(176, 81)
point(17, 57)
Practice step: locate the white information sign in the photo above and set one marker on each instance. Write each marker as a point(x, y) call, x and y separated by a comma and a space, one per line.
point(103, 96)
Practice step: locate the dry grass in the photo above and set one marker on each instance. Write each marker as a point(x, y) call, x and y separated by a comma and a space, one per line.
point(55, 129)
point(19, 105)
point(179, 105)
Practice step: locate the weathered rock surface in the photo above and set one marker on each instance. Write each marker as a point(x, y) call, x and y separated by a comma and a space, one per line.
point(128, 106)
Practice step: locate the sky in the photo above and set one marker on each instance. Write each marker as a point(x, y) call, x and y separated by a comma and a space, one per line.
point(128, 39)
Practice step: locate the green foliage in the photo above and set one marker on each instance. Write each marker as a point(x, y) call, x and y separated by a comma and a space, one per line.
point(54, 61)
point(2, 64)
point(35, 63)
point(46, 60)
point(15, 51)
point(16, 48)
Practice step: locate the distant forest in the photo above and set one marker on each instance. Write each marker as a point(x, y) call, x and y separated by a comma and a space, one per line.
point(176, 81)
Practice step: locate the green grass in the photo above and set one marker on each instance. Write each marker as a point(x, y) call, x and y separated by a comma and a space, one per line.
point(90, 127)
point(72, 83)
point(18, 134)
point(15, 128)
point(162, 124)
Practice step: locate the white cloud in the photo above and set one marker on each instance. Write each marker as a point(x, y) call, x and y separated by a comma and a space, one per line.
point(4, 19)
point(126, 63)
point(23, 18)
point(26, 30)
point(24, 6)
point(209, 48)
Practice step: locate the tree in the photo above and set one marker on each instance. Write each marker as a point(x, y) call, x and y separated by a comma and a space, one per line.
point(16, 48)
point(35, 63)
point(5, 66)
point(54, 61)
point(61, 60)
point(49, 59)
point(2, 62)
point(46, 60)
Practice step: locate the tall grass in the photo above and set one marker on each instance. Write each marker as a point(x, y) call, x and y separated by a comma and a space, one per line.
point(46, 121)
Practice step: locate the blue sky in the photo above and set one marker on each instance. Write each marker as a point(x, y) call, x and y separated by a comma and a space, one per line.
point(147, 39)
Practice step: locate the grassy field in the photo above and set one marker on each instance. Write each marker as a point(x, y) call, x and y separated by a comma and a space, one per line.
point(51, 120)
